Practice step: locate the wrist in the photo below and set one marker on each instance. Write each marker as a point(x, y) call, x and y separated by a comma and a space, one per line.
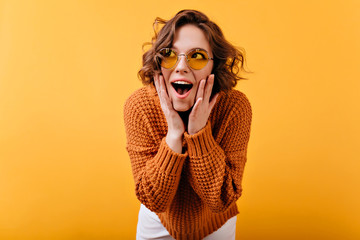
point(194, 131)
point(201, 142)
point(175, 135)
point(174, 141)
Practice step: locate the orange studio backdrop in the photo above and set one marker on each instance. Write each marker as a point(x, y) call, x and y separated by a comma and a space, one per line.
point(67, 67)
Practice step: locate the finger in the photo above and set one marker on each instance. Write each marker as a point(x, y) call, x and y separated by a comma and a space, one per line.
point(200, 91)
point(157, 85)
point(162, 85)
point(156, 81)
point(164, 93)
point(195, 108)
point(213, 101)
point(208, 88)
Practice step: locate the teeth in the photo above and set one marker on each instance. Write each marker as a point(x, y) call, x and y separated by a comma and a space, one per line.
point(182, 82)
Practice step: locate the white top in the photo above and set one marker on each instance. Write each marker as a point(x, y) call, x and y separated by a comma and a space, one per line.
point(150, 227)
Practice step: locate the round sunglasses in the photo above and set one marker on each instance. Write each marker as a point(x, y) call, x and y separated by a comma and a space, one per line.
point(196, 58)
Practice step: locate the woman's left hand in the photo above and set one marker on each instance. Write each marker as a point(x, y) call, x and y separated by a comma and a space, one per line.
point(202, 108)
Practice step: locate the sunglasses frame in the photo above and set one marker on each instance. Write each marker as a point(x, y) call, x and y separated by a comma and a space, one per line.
point(186, 56)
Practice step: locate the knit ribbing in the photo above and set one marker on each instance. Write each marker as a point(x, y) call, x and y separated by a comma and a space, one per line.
point(168, 160)
point(212, 223)
point(193, 193)
point(200, 142)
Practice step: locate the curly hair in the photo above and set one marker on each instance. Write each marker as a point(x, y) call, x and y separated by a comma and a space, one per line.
point(228, 60)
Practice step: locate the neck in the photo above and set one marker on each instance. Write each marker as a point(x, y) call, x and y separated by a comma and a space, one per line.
point(185, 116)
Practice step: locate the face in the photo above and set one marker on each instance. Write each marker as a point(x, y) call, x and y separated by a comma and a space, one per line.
point(186, 38)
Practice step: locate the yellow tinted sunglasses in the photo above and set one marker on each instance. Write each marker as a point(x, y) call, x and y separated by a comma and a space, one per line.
point(196, 58)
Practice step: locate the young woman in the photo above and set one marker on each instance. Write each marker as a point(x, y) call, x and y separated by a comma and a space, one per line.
point(188, 131)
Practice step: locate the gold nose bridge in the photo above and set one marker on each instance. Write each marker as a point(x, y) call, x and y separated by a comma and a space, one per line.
point(178, 59)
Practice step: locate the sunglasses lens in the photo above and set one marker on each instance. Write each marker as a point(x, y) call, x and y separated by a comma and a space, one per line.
point(169, 58)
point(198, 59)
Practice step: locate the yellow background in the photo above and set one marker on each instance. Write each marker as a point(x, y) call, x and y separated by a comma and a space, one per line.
point(66, 68)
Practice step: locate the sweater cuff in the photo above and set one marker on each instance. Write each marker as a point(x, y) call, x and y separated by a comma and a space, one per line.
point(201, 142)
point(168, 160)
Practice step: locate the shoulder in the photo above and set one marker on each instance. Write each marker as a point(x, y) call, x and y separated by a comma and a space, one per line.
point(236, 102)
point(139, 99)
point(236, 96)
point(232, 113)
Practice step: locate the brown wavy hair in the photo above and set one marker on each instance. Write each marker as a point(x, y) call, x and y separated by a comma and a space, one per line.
point(228, 60)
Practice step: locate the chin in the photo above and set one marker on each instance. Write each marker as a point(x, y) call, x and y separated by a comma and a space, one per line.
point(182, 108)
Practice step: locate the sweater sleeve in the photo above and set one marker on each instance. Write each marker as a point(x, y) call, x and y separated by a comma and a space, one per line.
point(216, 170)
point(156, 168)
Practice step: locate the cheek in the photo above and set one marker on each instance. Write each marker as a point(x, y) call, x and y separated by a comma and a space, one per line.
point(209, 67)
point(206, 71)
point(202, 74)
point(166, 75)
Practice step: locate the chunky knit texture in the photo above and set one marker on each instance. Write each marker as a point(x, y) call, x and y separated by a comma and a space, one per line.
point(193, 193)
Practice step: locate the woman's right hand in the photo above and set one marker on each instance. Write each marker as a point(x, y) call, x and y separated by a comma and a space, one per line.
point(176, 127)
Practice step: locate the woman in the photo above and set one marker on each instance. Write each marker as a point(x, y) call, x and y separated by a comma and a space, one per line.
point(188, 131)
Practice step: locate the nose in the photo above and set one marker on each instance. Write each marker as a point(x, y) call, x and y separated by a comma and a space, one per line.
point(182, 65)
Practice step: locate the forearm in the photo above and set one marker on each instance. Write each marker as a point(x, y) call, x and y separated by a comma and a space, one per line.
point(214, 174)
point(157, 176)
point(214, 181)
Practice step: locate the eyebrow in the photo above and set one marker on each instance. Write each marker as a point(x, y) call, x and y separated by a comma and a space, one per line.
point(190, 48)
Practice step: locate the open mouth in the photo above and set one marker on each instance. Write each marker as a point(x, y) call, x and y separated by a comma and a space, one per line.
point(181, 87)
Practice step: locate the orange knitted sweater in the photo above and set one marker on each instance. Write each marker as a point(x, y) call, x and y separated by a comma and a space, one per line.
point(193, 193)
